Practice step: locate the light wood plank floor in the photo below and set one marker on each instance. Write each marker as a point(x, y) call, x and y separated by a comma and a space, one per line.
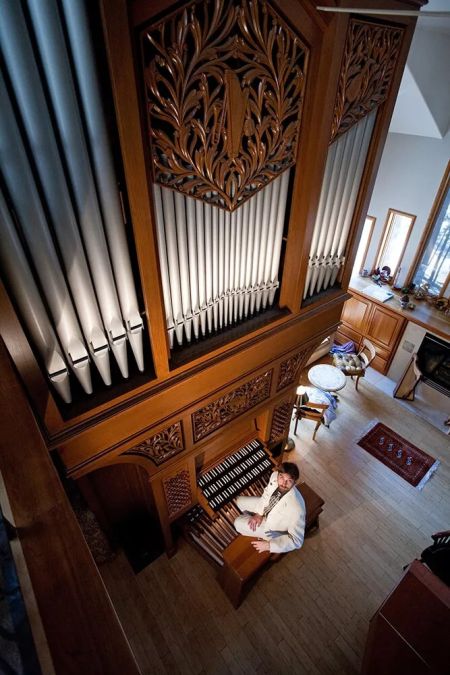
point(309, 612)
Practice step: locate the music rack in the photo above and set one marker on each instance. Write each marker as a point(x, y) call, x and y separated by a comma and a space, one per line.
point(227, 479)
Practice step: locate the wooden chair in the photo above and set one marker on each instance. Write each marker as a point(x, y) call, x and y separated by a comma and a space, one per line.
point(355, 365)
point(314, 411)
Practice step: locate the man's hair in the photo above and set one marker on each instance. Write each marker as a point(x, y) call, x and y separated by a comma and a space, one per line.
point(291, 469)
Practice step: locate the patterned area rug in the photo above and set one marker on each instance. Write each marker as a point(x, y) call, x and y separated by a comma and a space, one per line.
point(404, 458)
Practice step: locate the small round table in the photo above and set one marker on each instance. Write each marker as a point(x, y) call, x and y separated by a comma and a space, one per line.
point(327, 378)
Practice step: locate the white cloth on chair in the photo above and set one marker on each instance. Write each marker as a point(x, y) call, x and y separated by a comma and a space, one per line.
point(319, 396)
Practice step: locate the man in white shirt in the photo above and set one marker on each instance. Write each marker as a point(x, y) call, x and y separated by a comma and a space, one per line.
point(277, 517)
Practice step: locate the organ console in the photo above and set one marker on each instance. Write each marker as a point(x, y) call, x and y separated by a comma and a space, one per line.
point(209, 525)
point(227, 479)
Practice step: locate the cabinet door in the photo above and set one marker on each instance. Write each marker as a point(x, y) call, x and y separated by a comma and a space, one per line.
point(384, 327)
point(355, 313)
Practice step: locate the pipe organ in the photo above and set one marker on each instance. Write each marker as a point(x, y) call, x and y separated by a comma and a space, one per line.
point(345, 163)
point(217, 267)
point(249, 135)
point(62, 213)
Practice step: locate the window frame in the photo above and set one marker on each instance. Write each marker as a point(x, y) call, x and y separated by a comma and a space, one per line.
point(441, 193)
point(384, 239)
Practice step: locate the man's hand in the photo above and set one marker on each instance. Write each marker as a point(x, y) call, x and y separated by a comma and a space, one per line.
point(255, 521)
point(261, 546)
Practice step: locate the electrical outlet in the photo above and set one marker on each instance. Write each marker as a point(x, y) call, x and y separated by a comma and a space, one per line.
point(408, 346)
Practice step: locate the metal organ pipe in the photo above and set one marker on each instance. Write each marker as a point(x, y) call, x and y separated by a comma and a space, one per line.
point(84, 61)
point(24, 73)
point(279, 227)
point(25, 197)
point(57, 69)
point(342, 178)
point(217, 267)
point(20, 279)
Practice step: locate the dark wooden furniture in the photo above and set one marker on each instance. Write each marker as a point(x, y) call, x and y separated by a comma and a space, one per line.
point(409, 632)
point(314, 412)
point(242, 563)
point(362, 318)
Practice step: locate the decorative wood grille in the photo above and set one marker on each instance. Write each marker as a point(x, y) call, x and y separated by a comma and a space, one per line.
point(177, 490)
point(224, 83)
point(228, 407)
point(370, 56)
point(281, 420)
point(160, 447)
point(290, 368)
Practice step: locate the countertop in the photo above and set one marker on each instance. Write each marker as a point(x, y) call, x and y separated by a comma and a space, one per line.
point(424, 314)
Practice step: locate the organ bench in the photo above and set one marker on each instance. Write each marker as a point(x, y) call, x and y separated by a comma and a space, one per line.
point(242, 563)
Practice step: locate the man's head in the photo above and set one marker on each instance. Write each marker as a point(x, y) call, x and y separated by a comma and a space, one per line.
point(288, 475)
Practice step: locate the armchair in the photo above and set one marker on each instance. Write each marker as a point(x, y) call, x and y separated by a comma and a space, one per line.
point(312, 411)
point(355, 365)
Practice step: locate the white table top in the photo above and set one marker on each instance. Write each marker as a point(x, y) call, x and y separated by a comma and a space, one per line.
point(328, 378)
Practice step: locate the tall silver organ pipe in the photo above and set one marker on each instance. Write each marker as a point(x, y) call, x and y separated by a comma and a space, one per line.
point(84, 61)
point(30, 96)
point(65, 231)
point(18, 275)
point(217, 267)
point(56, 66)
point(23, 191)
point(345, 163)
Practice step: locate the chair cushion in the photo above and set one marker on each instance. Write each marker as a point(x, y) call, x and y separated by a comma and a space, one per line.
point(350, 364)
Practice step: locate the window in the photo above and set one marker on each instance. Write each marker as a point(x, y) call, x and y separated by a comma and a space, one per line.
point(363, 246)
point(395, 237)
point(432, 264)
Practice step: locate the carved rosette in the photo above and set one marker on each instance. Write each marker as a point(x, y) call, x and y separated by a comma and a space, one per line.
point(290, 368)
point(177, 490)
point(224, 82)
point(228, 407)
point(370, 56)
point(160, 447)
point(281, 420)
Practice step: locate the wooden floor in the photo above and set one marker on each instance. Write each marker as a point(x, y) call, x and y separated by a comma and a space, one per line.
point(309, 613)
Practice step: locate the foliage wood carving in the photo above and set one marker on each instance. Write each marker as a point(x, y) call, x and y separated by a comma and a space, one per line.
point(281, 420)
point(177, 490)
point(370, 57)
point(228, 407)
point(160, 447)
point(290, 368)
point(224, 83)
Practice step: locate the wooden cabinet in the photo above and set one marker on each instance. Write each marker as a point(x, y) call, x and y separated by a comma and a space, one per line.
point(409, 632)
point(363, 317)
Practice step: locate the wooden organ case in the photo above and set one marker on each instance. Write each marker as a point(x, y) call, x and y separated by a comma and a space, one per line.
point(235, 123)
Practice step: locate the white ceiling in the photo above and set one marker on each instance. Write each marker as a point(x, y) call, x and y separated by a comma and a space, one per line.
point(423, 102)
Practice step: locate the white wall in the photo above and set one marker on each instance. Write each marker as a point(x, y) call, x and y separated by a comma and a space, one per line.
point(409, 176)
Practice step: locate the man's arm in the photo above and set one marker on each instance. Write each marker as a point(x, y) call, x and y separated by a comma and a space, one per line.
point(294, 536)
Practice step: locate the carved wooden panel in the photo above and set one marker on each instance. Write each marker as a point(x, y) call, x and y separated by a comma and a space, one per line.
point(281, 420)
point(228, 407)
point(370, 55)
point(160, 447)
point(290, 368)
point(224, 82)
point(177, 490)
